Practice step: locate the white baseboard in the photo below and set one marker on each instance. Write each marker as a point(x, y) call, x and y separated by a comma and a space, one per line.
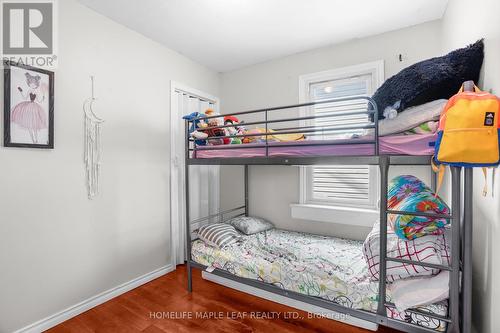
point(290, 302)
point(94, 301)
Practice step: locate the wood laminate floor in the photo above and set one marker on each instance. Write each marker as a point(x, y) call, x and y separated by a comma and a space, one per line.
point(164, 305)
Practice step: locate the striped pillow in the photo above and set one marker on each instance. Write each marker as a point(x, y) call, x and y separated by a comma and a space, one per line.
point(218, 234)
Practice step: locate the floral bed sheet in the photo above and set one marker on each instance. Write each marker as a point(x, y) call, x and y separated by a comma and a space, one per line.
point(327, 267)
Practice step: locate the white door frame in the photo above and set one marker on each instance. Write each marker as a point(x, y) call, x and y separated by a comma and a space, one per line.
point(177, 168)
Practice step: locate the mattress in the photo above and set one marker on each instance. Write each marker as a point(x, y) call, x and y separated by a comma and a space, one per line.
point(326, 267)
point(391, 145)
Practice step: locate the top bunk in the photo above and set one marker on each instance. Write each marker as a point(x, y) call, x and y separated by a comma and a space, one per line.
point(333, 131)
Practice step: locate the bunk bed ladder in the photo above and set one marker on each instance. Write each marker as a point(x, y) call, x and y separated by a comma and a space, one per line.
point(459, 317)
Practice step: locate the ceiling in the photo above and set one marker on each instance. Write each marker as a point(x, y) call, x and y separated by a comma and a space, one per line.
point(225, 35)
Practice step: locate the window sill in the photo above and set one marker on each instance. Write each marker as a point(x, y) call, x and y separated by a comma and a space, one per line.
point(334, 214)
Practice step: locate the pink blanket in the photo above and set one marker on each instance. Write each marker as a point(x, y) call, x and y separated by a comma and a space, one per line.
point(393, 145)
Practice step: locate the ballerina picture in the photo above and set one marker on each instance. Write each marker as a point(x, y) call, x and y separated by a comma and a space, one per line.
point(29, 110)
point(30, 114)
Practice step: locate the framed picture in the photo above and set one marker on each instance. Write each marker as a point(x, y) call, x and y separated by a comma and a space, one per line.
point(28, 106)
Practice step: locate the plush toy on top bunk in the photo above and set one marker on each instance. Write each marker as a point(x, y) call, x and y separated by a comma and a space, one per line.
point(237, 129)
point(200, 128)
point(411, 101)
point(254, 136)
point(198, 122)
point(214, 132)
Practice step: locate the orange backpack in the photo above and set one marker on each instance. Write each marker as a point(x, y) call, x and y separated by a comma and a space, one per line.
point(468, 133)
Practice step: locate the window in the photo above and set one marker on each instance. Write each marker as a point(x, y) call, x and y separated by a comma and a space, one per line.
point(340, 185)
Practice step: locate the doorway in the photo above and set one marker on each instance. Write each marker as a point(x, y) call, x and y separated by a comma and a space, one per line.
point(203, 180)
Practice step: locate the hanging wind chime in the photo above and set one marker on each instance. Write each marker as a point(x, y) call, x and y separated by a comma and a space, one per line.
point(92, 145)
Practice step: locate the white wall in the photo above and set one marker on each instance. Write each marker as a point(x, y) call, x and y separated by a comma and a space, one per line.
point(57, 248)
point(273, 83)
point(464, 23)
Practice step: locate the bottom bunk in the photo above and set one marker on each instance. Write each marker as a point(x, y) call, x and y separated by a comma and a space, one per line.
point(326, 267)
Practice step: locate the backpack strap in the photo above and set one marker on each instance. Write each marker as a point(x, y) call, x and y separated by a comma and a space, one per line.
point(485, 187)
point(440, 170)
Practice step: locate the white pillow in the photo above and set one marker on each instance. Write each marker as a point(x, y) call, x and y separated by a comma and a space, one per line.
point(420, 291)
point(412, 117)
point(250, 225)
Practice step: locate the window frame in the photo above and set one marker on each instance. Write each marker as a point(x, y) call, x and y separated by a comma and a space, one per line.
point(376, 70)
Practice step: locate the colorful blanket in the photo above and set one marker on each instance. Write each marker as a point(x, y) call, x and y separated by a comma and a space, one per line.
point(429, 127)
point(408, 193)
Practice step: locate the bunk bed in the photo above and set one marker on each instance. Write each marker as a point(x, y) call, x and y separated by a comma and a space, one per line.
point(453, 315)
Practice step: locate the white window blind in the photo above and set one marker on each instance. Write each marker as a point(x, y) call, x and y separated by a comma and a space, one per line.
point(341, 185)
point(346, 87)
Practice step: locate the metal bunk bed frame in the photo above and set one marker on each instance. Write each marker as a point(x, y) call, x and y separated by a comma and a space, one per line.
point(459, 302)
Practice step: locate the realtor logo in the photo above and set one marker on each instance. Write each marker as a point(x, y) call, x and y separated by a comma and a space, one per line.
point(28, 32)
point(489, 119)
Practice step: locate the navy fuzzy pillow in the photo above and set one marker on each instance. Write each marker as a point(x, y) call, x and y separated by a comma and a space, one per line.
point(431, 79)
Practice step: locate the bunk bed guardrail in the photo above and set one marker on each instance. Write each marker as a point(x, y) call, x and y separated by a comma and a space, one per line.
point(371, 111)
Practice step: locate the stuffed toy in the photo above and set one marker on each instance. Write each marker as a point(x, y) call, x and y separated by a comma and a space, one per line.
point(215, 132)
point(214, 122)
point(198, 122)
point(211, 113)
point(233, 130)
point(272, 137)
point(256, 138)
